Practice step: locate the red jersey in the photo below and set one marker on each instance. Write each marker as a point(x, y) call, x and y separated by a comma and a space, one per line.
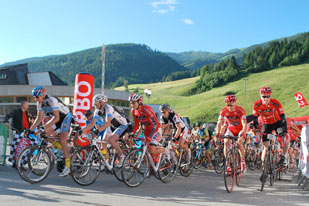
point(146, 117)
point(270, 113)
point(234, 118)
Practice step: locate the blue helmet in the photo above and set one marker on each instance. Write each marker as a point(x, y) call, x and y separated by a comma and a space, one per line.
point(38, 91)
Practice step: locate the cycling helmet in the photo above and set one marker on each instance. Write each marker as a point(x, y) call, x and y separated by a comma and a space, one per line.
point(99, 98)
point(265, 91)
point(136, 98)
point(197, 124)
point(165, 107)
point(38, 91)
point(230, 99)
point(88, 113)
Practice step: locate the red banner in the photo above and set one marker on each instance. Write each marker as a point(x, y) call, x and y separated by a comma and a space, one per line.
point(300, 99)
point(82, 96)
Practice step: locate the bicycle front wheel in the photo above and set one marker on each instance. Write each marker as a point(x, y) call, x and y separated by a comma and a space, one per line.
point(196, 158)
point(135, 168)
point(229, 171)
point(33, 164)
point(85, 166)
point(185, 167)
point(168, 168)
point(117, 170)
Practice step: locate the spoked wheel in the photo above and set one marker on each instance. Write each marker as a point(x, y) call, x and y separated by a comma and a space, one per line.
point(265, 173)
point(219, 163)
point(251, 162)
point(185, 168)
point(135, 168)
point(238, 169)
point(272, 170)
point(33, 164)
point(117, 170)
point(196, 159)
point(85, 166)
point(229, 172)
point(168, 168)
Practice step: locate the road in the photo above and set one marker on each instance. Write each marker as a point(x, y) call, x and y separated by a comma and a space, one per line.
point(203, 187)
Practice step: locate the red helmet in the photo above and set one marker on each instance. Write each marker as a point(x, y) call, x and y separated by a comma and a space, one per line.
point(136, 98)
point(230, 99)
point(265, 91)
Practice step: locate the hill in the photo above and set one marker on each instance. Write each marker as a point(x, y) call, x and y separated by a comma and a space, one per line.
point(125, 63)
point(206, 106)
point(197, 59)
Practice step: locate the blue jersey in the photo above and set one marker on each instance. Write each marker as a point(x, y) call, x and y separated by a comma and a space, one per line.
point(98, 123)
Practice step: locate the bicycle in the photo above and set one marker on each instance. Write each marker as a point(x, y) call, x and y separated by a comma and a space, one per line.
point(137, 164)
point(232, 165)
point(35, 162)
point(270, 162)
point(86, 162)
point(218, 156)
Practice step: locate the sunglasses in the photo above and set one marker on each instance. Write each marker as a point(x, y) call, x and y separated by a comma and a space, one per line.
point(229, 105)
point(265, 97)
point(133, 102)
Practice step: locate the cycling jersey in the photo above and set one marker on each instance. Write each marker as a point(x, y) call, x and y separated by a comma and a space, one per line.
point(98, 123)
point(108, 111)
point(233, 119)
point(146, 117)
point(270, 113)
point(173, 119)
point(51, 104)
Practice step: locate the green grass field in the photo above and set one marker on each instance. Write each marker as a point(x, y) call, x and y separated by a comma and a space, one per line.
point(206, 106)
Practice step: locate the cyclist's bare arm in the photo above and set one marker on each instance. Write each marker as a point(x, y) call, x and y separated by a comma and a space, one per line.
point(37, 120)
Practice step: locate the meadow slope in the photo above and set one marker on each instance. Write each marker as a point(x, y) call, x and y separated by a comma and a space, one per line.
point(204, 107)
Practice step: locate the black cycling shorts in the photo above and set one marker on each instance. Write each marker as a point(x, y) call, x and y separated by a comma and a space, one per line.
point(269, 128)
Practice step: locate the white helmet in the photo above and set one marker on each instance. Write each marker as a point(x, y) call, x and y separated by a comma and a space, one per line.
point(99, 98)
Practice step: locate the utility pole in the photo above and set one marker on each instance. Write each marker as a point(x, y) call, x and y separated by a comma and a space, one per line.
point(103, 68)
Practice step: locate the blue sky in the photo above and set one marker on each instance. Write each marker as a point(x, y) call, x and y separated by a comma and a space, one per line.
point(32, 28)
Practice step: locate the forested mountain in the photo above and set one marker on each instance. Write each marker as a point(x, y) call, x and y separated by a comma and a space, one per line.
point(276, 54)
point(125, 64)
point(197, 59)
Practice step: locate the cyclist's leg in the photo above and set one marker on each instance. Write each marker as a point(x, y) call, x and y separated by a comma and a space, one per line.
point(113, 140)
point(184, 137)
point(154, 147)
point(227, 142)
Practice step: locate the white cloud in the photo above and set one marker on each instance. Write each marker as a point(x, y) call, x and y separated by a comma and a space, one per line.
point(188, 21)
point(163, 6)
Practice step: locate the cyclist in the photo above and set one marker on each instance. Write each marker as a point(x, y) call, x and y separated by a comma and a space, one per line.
point(273, 118)
point(89, 117)
point(145, 119)
point(203, 134)
point(169, 117)
point(116, 124)
point(235, 117)
point(61, 120)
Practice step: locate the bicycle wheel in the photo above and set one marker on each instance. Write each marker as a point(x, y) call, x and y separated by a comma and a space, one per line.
point(117, 170)
point(219, 163)
point(237, 168)
point(33, 164)
point(196, 158)
point(85, 165)
point(185, 168)
point(229, 171)
point(168, 168)
point(135, 168)
point(265, 171)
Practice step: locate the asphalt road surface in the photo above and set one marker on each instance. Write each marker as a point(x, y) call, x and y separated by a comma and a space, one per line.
point(203, 187)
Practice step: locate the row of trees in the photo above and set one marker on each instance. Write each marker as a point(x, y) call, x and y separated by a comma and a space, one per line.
point(276, 54)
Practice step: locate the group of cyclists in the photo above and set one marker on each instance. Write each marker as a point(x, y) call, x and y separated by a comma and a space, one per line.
point(109, 124)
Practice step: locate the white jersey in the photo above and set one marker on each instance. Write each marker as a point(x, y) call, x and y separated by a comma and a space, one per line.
point(108, 111)
point(51, 104)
